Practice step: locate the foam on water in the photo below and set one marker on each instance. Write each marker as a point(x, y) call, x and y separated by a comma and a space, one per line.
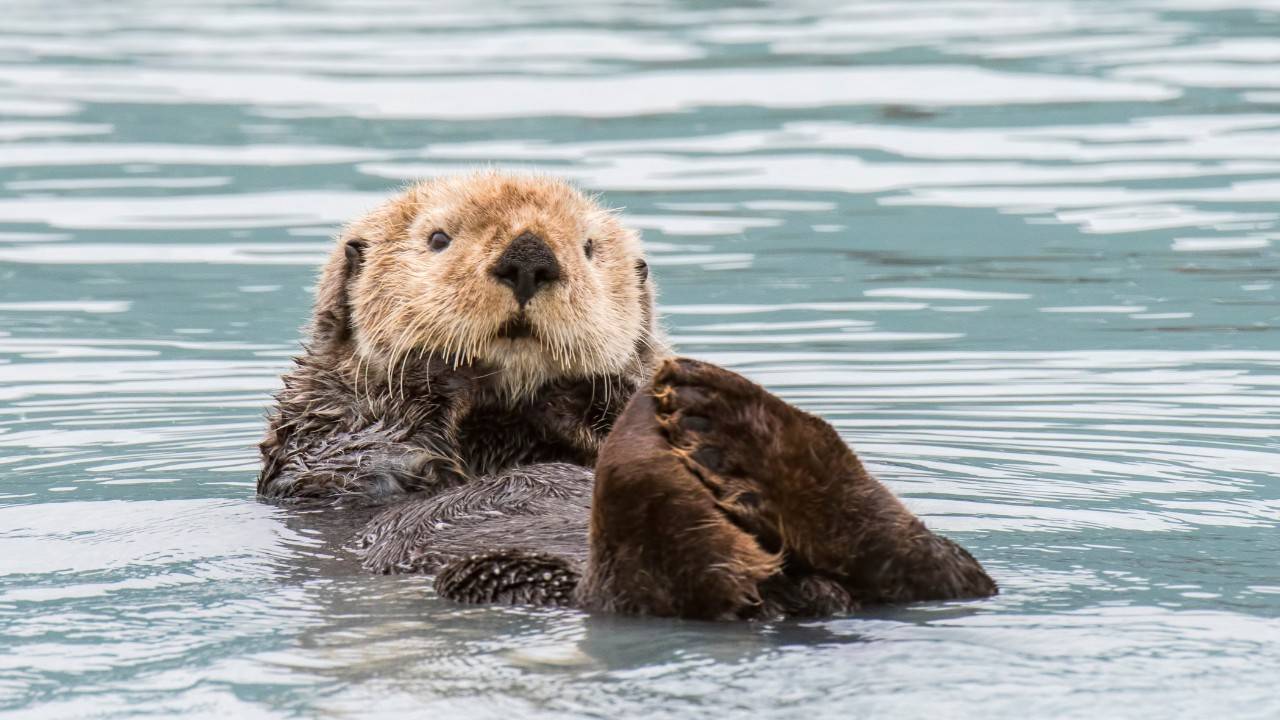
point(1022, 256)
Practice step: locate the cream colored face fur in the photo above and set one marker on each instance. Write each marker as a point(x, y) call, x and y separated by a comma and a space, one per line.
point(408, 300)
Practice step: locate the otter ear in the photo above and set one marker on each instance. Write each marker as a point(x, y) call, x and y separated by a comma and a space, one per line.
point(332, 324)
point(354, 252)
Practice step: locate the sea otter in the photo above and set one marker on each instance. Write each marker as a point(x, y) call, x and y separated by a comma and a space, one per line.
point(484, 363)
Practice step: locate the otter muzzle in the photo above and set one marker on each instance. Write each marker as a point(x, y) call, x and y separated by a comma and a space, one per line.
point(527, 266)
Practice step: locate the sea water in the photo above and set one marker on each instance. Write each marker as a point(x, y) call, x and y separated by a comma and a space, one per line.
point(1022, 255)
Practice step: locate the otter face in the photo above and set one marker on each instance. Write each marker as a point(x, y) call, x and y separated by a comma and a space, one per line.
point(522, 273)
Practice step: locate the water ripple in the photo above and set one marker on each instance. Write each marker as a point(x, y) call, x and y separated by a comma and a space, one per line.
point(1023, 257)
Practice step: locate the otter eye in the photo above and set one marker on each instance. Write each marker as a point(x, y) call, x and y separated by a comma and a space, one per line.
point(438, 241)
point(588, 248)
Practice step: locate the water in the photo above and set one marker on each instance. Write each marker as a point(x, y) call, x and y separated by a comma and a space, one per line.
point(1023, 255)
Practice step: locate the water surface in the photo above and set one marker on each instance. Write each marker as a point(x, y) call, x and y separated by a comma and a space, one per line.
point(1022, 255)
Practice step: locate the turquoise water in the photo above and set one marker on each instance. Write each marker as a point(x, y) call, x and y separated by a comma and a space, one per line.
point(1023, 255)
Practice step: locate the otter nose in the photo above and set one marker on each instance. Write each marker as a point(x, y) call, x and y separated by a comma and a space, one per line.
point(526, 266)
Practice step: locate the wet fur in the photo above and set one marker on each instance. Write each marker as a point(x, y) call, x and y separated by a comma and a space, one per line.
point(406, 386)
point(710, 498)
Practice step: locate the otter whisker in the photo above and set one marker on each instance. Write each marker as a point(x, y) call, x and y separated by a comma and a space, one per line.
point(401, 350)
point(408, 338)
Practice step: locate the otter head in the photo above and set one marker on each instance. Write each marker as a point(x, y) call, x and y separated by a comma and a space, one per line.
point(523, 274)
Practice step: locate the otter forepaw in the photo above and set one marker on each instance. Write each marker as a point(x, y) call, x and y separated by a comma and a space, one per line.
point(509, 577)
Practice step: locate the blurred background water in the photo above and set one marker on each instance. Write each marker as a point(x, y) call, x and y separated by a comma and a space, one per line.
point(1023, 255)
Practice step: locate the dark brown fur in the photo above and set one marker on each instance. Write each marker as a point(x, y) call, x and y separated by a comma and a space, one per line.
point(437, 426)
point(751, 508)
point(712, 499)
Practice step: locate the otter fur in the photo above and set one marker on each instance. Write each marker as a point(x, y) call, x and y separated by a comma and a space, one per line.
point(484, 367)
point(426, 367)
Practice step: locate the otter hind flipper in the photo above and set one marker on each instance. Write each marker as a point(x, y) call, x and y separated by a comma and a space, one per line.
point(715, 499)
point(790, 479)
point(509, 577)
point(660, 545)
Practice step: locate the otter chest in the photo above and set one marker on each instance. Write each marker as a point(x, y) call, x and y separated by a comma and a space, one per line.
point(495, 437)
